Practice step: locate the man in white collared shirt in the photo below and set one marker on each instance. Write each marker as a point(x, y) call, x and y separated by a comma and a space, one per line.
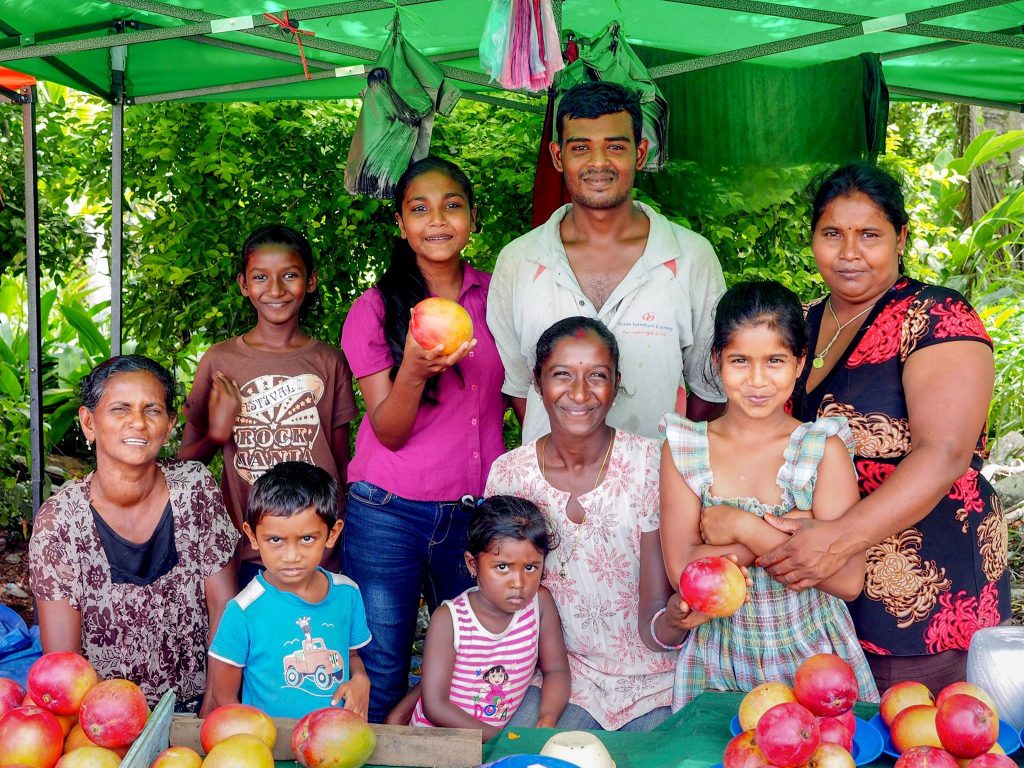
point(652, 282)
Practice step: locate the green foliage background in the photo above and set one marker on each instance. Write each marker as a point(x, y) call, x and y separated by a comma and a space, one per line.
point(221, 170)
point(200, 177)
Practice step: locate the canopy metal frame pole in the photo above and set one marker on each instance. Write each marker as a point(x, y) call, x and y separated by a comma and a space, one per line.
point(267, 53)
point(118, 58)
point(908, 23)
point(920, 50)
point(245, 23)
point(250, 25)
point(213, 90)
point(764, 8)
point(11, 96)
point(315, 43)
point(358, 70)
point(157, 34)
point(918, 93)
point(14, 38)
point(54, 34)
point(35, 347)
point(323, 44)
point(312, 63)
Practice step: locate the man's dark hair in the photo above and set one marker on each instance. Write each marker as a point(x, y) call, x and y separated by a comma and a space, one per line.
point(290, 487)
point(591, 100)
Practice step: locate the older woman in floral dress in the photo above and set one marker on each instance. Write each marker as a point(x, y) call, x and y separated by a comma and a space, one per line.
point(131, 565)
point(598, 489)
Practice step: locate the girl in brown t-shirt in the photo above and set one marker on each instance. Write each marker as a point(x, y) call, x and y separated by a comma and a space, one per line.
point(274, 393)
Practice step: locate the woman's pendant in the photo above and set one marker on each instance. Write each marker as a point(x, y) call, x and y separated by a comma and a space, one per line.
point(561, 572)
point(817, 362)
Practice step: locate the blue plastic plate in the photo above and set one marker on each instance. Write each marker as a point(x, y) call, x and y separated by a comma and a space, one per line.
point(867, 741)
point(530, 761)
point(1008, 738)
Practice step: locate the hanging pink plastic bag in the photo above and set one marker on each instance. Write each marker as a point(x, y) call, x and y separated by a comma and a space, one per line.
point(494, 42)
point(521, 49)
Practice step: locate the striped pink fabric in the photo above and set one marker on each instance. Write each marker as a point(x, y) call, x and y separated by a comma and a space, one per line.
point(491, 671)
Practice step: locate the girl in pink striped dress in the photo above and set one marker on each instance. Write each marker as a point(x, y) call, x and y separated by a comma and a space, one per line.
point(483, 647)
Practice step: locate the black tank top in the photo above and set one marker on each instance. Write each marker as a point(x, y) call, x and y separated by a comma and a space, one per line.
point(139, 564)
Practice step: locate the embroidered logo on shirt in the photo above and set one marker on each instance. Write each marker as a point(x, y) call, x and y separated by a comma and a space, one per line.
point(646, 325)
point(278, 422)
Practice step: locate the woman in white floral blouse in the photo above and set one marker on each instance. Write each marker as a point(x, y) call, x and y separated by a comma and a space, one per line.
point(131, 565)
point(598, 488)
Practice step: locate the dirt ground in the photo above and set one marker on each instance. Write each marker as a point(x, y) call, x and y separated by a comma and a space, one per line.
point(14, 572)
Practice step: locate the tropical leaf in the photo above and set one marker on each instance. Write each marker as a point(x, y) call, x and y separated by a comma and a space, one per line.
point(88, 332)
point(9, 383)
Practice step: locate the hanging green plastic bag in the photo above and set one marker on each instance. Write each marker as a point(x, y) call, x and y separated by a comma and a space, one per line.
point(609, 57)
point(494, 42)
point(403, 91)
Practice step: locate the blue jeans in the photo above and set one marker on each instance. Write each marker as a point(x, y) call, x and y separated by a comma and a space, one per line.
point(576, 718)
point(395, 550)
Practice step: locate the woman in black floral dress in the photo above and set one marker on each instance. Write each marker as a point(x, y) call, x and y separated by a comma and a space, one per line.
point(910, 365)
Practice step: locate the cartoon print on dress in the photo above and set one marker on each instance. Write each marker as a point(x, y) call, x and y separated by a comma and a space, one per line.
point(907, 586)
point(278, 422)
point(490, 700)
point(315, 661)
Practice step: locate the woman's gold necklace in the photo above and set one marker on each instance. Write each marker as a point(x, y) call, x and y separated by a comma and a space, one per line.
point(563, 562)
point(819, 359)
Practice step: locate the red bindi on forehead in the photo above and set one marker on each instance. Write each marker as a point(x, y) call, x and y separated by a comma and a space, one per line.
point(580, 333)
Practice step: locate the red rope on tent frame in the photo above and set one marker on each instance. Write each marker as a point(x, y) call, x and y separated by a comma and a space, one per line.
point(288, 26)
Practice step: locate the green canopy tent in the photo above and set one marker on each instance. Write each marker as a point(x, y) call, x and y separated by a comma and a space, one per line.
point(138, 51)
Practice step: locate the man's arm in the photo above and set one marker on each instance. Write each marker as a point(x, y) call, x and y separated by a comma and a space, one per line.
point(699, 409)
point(501, 321)
point(519, 409)
point(706, 284)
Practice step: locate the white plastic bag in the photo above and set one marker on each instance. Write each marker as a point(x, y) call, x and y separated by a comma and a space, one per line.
point(995, 662)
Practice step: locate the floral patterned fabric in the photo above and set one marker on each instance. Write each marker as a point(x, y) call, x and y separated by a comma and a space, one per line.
point(929, 587)
point(156, 635)
point(614, 676)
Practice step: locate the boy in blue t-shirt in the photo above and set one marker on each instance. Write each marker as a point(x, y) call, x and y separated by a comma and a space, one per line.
point(289, 639)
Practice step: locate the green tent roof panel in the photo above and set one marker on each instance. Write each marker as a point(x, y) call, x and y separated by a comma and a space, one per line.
point(970, 50)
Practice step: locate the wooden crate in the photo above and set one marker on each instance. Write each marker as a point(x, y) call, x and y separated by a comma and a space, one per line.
point(397, 745)
point(153, 739)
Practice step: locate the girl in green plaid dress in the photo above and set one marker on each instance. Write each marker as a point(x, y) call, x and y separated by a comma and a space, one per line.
point(719, 479)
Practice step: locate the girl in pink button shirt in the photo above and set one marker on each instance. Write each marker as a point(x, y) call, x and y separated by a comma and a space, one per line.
point(433, 424)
